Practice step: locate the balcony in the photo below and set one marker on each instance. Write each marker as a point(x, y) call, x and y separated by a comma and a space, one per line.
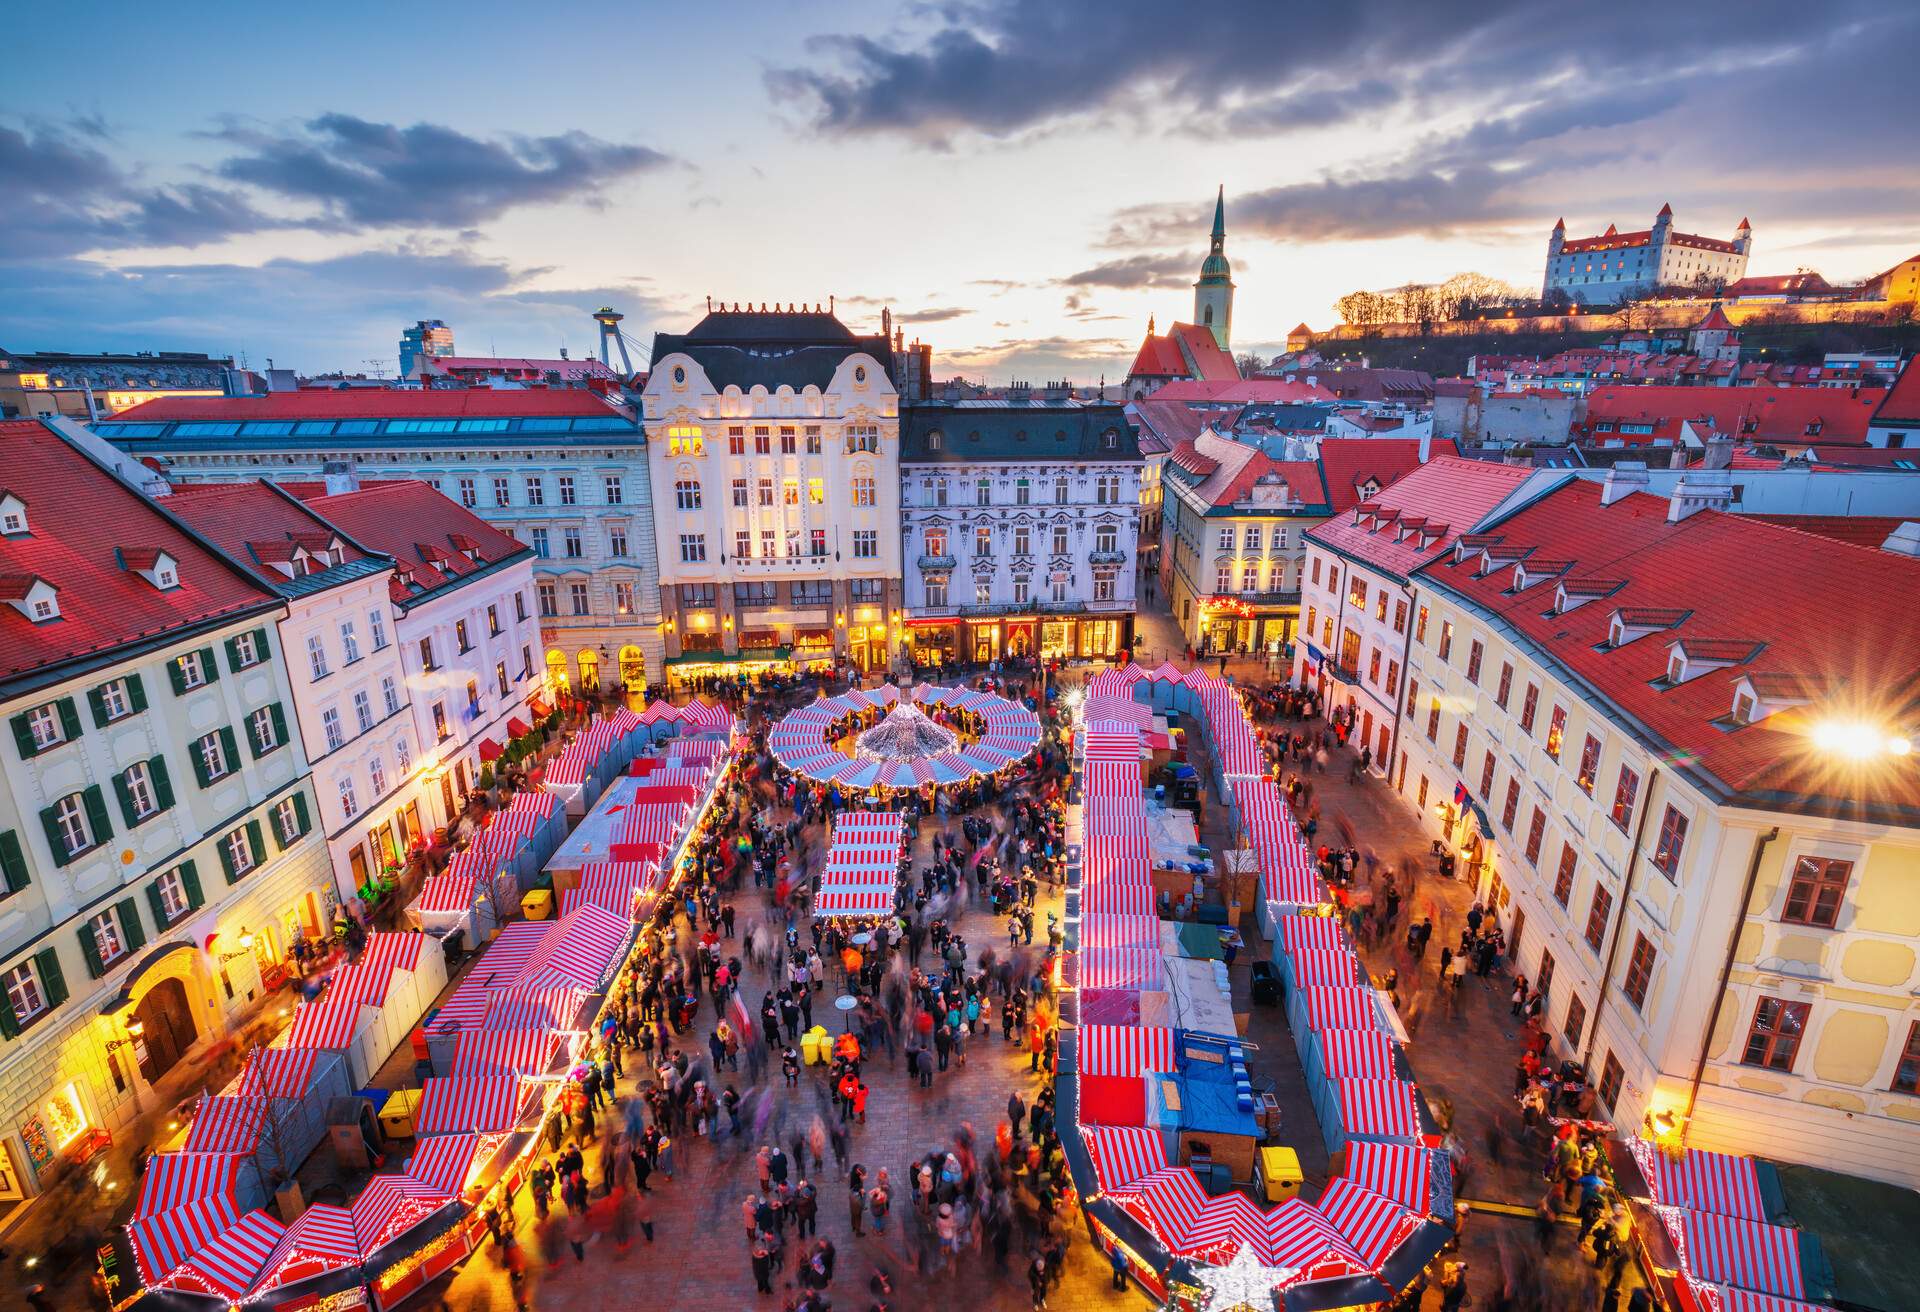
point(1107, 558)
point(935, 563)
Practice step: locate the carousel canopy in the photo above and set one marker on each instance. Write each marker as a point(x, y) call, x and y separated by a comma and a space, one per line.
point(909, 747)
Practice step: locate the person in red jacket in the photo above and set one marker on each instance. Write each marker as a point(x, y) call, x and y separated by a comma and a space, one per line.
point(860, 1101)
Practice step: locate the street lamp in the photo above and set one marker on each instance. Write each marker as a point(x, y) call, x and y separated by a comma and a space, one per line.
point(246, 947)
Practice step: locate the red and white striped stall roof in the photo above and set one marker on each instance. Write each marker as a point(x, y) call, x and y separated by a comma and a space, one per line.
point(176, 1179)
point(867, 822)
point(1105, 707)
point(1167, 1202)
point(1125, 1049)
point(496, 969)
point(705, 716)
point(580, 946)
point(446, 1160)
point(1372, 1224)
point(1400, 1171)
point(1121, 968)
point(520, 1008)
point(227, 1267)
point(321, 1240)
point(661, 823)
point(461, 1103)
point(1114, 896)
point(854, 902)
point(1105, 856)
point(1704, 1181)
point(326, 1023)
point(1725, 1298)
point(1335, 1007)
point(1356, 1054)
point(1115, 745)
point(498, 1052)
point(186, 1200)
point(612, 886)
point(391, 1204)
point(1111, 779)
point(1316, 967)
point(1315, 932)
point(1120, 932)
point(1115, 682)
point(1383, 1109)
point(226, 1123)
point(451, 893)
point(1124, 1155)
point(1298, 1236)
point(532, 802)
point(277, 1072)
point(1730, 1250)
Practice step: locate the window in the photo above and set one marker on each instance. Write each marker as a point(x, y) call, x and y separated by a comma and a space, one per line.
point(736, 441)
point(983, 594)
point(1316, 570)
point(1460, 747)
point(1446, 639)
point(1536, 831)
point(536, 490)
point(686, 494)
point(1673, 842)
point(1420, 625)
point(46, 726)
point(349, 804)
point(817, 542)
point(460, 636)
point(546, 595)
point(1486, 777)
point(266, 729)
point(440, 721)
point(1022, 492)
point(1060, 491)
point(1576, 1024)
point(789, 491)
point(863, 492)
point(330, 724)
point(1589, 765)
point(577, 596)
point(1020, 592)
point(171, 896)
point(866, 543)
point(377, 768)
point(1506, 685)
point(1906, 1072)
point(1474, 655)
point(1399, 617)
point(473, 697)
point(1625, 794)
point(786, 441)
point(742, 544)
point(1022, 541)
point(1529, 706)
point(1774, 1037)
point(316, 656)
point(541, 545)
point(567, 497)
point(1108, 490)
point(1556, 731)
point(1511, 806)
point(983, 492)
point(1545, 982)
point(616, 489)
point(763, 491)
point(237, 853)
point(1433, 720)
point(1563, 881)
point(493, 621)
point(1819, 885)
point(617, 542)
point(1357, 593)
point(1597, 915)
point(763, 441)
point(622, 601)
point(404, 755)
point(501, 495)
point(214, 761)
point(766, 544)
point(1102, 588)
point(24, 993)
point(812, 435)
point(740, 492)
point(1413, 690)
point(1611, 1078)
point(426, 654)
point(469, 495)
point(520, 607)
point(245, 650)
point(1639, 972)
point(1059, 539)
point(693, 548)
point(1106, 538)
point(570, 539)
point(363, 710)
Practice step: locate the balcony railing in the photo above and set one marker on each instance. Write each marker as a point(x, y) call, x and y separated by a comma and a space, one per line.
point(1107, 558)
point(937, 562)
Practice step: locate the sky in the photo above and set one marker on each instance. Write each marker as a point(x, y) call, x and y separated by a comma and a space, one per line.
point(1023, 185)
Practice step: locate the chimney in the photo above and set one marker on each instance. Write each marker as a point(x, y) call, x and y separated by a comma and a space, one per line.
point(1020, 392)
point(1905, 540)
point(1700, 489)
point(340, 476)
point(1426, 446)
point(1623, 479)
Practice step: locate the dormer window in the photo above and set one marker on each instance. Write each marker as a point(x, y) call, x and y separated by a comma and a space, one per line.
point(1743, 707)
point(1676, 666)
point(13, 515)
point(156, 567)
point(32, 596)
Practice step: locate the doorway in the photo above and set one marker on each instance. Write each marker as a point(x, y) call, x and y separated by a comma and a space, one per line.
point(166, 1028)
point(357, 861)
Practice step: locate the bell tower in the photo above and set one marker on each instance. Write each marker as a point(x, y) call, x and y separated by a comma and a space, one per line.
point(1213, 293)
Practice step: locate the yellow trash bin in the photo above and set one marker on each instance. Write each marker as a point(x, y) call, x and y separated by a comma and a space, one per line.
point(398, 1113)
point(538, 904)
point(1280, 1173)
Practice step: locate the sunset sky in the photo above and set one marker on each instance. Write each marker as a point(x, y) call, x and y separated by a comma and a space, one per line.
point(1022, 184)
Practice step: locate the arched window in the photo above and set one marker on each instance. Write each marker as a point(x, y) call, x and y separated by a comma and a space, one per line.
point(589, 669)
point(633, 666)
point(556, 671)
point(1207, 319)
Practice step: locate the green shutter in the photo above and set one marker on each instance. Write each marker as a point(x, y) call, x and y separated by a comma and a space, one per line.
point(136, 693)
point(229, 750)
point(9, 1023)
point(190, 876)
point(300, 810)
point(162, 783)
point(260, 647)
point(97, 702)
point(211, 666)
point(23, 737)
point(279, 725)
point(176, 676)
point(130, 932)
point(97, 823)
point(52, 982)
point(125, 796)
point(158, 904)
point(13, 862)
point(233, 654)
point(226, 859)
point(90, 951)
point(56, 841)
point(199, 762)
point(257, 843)
point(69, 718)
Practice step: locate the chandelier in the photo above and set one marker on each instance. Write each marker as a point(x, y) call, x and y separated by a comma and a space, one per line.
point(906, 734)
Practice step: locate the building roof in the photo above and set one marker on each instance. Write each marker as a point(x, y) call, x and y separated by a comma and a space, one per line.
point(1449, 493)
point(1165, 424)
point(406, 519)
point(1367, 384)
point(770, 348)
point(1186, 351)
point(261, 526)
point(1241, 391)
point(1758, 594)
point(83, 523)
point(1776, 284)
point(1860, 530)
point(1033, 431)
point(1743, 413)
point(1224, 473)
point(1901, 403)
point(568, 370)
point(125, 371)
point(366, 403)
point(1716, 321)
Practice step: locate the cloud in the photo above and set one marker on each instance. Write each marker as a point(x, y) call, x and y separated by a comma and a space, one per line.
point(933, 314)
point(1038, 359)
point(363, 173)
point(1135, 271)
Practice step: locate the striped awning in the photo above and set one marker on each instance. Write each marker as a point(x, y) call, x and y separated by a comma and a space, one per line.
point(1338, 1007)
point(1300, 1237)
point(499, 1052)
point(1320, 967)
point(391, 1204)
point(1121, 968)
point(1321, 933)
point(1110, 779)
point(446, 893)
point(1725, 1298)
point(531, 1009)
point(854, 902)
point(1402, 1172)
point(466, 1103)
point(1111, 895)
point(1730, 1250)
point(227, 1267)
point(1381, 1109)
point(1703, 1181)
point(328, 1023)
point(612, 886)
point(446, 1160)
point(277, 1072)
point(1113, 744)
point(1371, 1225)
point(885, 823)
point(1111, 931)
point(581, 946)
point(1115, 681)
point(1355, 1054)
point(497, 968)
point(655, 823)
point(1125, 1049)
point(1105, 855)
point(704, 716)
point(320, 1241)
point(1124, 1155)
point(226, 1123)
point(186, 1200)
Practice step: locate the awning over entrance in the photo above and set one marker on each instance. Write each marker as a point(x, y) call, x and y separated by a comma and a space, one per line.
point(491, 750)
point(518, 727)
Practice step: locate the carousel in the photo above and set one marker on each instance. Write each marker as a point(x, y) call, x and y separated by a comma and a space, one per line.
point(880, 738)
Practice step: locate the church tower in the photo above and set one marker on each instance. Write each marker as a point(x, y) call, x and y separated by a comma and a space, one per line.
point(1213, 293)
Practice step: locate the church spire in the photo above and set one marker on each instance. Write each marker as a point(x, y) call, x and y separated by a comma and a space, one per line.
point(1220, 218)
point(1213, 293)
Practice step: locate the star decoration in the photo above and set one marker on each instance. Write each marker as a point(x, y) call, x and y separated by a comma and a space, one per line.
point(1243, 1282)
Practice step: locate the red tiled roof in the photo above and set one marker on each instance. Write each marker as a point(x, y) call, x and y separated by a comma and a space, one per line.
point(487, 364)
point(1860, 530)
point(1750, 413)
point(1243, 391)
point(1902, 403)
point(1458, 492)
point(255, 523)
point(1158, 357)
point(1348, 463)
point(407, 519)
point(370, 403)
point(1610, 240)
point(1205, 360)
point(1776, 284)
point(78, 514)
point(1716, 321)
point(1170, 421)
point(1769, 591)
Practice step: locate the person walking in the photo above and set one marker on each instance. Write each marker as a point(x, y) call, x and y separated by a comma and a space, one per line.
point(857, 1198)
point(880, 1202)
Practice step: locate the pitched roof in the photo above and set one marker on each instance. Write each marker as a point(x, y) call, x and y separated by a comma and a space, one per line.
point(1242, 391)
point(1753, 413)
point(1860, 530)
point(368, 403)
point(1756, 593)
point(1228, 471)
point(409, 521)
point(1902, 402)
point(1157, 357)
point(1452, 492)
point(1186, 351)
point(770, 348)
point(488, 364)
point(1348, 464)
point(79, 516)
point(1716, 321)
point(260, 525)
point(1032, 432)
point(1167, 423)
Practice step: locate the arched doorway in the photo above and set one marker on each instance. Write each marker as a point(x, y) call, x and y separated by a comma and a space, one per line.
point(633, 667)
point(589, 671)
point(166, 1028)
point(556, 672)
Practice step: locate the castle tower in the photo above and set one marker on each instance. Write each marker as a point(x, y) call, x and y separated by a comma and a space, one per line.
point(1743, 238)
point(1557, 239)
point(1213, 293)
